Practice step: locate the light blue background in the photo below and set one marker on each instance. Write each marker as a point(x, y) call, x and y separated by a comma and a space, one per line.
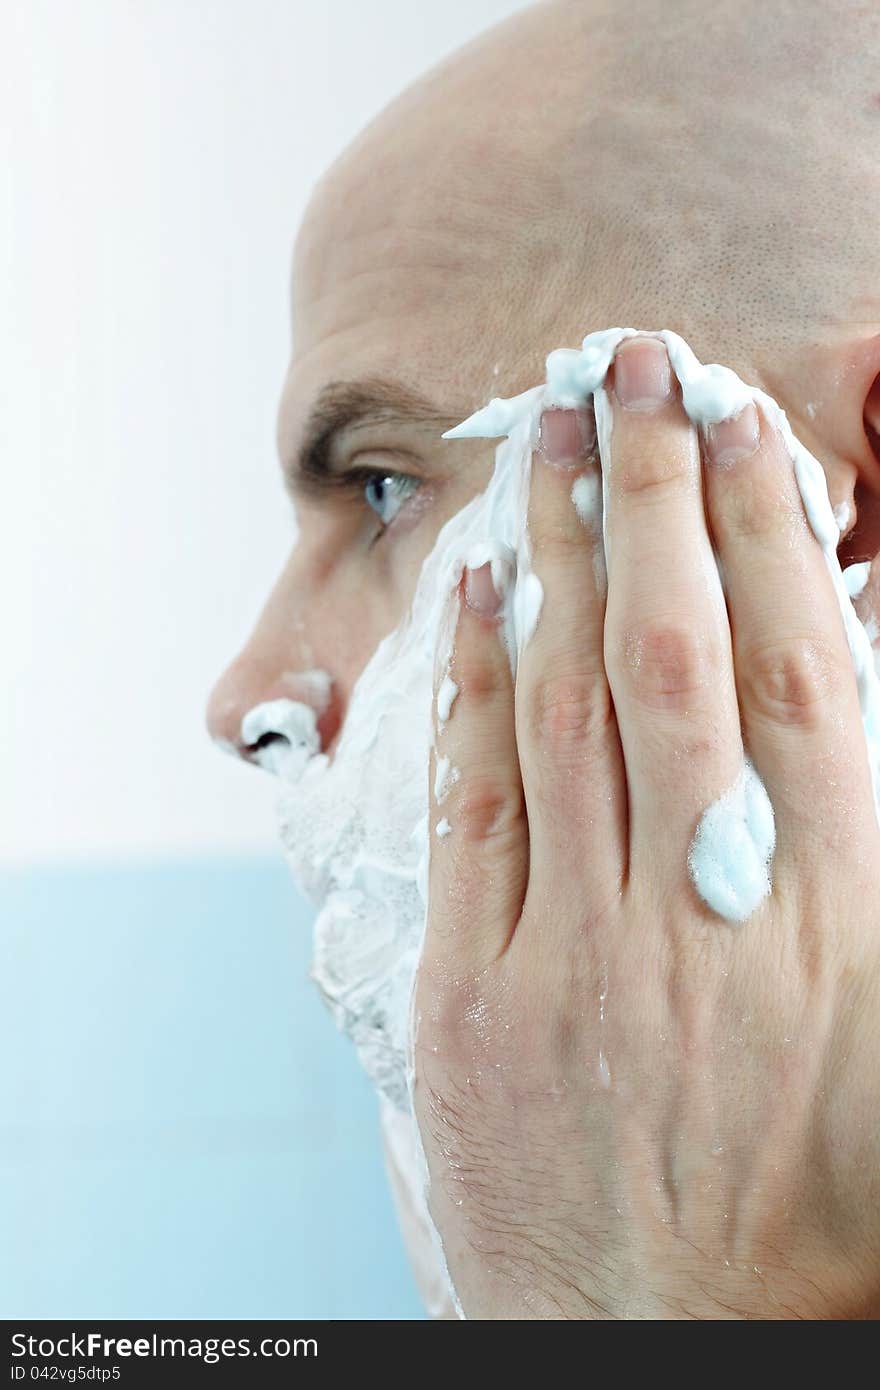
point(184, 1133)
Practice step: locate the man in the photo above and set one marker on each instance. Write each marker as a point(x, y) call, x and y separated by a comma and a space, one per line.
point(587, 164)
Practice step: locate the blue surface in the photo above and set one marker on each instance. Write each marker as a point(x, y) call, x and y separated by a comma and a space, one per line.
point(183, 1133)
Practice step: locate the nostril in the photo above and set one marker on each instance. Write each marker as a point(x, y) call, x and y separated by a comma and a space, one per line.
point(269, 751)
point(264, 741)
point(277, 729)
point(252, 751)
point(299, 715)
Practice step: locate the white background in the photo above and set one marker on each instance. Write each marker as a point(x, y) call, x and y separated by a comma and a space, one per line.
point(156, 157)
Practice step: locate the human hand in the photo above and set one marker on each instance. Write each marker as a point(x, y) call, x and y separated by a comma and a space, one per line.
point(629, 1106)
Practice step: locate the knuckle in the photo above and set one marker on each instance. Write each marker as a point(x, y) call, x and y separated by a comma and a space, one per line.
point(755, 510)
point(559, 540)
point(444, 1003)
point(567, 712)
point(490, 812)
point(670, 665)
point(483, 682)
point(790, 682)
point(659, 473)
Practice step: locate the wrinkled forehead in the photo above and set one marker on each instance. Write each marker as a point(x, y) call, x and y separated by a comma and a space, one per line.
point(442, 203)
point(399, 273)
point(484, 217)
point(392, 232)
point(373, 253)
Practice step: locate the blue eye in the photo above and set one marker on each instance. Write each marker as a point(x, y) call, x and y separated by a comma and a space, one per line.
point(387, 492)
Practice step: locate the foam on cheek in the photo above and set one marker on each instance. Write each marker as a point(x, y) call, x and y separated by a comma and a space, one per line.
point(357, 829)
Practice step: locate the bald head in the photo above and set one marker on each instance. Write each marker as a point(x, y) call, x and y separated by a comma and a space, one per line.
point(588, 163)
point(659, 162)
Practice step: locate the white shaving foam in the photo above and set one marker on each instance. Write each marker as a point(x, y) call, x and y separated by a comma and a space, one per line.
point(855, 577)
point(586, 494)
point(446, 698)
point(842, 513)
point(729, 858)
point(445, 776)
point(292, 728)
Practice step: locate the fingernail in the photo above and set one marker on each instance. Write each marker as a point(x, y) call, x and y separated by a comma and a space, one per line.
point(565, 437)
point(642, 375)
point(734, 439)
point(480, 592)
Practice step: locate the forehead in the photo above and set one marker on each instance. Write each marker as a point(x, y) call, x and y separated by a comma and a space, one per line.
point(390, 280)
point(380, 239)
point(423, 253)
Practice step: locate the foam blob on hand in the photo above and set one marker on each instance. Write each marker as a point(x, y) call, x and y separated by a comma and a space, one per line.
point(729, 859)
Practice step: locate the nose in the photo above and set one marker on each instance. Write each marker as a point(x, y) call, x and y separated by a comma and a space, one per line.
point(259, 714)
point(277, 694)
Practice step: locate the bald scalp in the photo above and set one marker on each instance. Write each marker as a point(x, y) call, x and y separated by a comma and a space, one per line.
point(711, 169)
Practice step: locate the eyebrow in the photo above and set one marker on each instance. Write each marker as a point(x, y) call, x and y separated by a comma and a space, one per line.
point(346, 405)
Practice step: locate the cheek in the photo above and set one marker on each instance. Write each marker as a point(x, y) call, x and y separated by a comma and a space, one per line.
point(360, 601)
point(406, 546)
point(351, 619)
point(357, 593)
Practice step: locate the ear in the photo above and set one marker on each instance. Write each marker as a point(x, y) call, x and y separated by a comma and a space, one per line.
point(839, 385)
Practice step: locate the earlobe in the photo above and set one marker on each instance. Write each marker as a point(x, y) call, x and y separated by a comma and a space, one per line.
point(837, 415)
point(863, 542)
point(838, 384)
point(872, 416)
point(859, 392)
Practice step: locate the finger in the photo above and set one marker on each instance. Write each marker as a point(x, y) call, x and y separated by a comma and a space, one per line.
point(479, 838)
point(569, 749)
point(794, 673)
point(667, 641)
